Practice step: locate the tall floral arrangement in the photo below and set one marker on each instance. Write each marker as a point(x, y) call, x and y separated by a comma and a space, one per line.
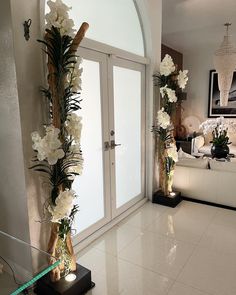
point(171, 82)
point(58, 150)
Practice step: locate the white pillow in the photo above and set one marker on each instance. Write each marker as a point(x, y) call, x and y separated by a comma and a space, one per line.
point(232, 149)
point(223, 166)
point(197, 143)
point(194, 163)
point(206, 149)
point(183, 155)
point(232, 137)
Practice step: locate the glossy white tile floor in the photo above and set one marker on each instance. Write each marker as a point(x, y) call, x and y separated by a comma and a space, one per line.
point(189, 250)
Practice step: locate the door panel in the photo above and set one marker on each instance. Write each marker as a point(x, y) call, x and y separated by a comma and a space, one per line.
point(127, 121)
point(127, 117)
point(93, 186)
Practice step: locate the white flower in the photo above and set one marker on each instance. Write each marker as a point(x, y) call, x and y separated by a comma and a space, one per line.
point(75, 170)
point(172, 152)
point(169, 92)
point(167, 66)
point(220, 120)
point(59, 18)
point(75, 148)
point(231, 126)
point(76, 79)
point(64, 205)
point(48, 147)
point(209, 125)
point(163, 119)
point(182, 78)
point(220, 123)
point(74, 126)
point(74, 76)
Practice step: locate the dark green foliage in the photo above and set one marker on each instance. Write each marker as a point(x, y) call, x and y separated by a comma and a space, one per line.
point(60, 176)
point(65, 225)
point(162, 81)
point(169, 164)
point(164, 134)
point(63, 61)
point(220, 137)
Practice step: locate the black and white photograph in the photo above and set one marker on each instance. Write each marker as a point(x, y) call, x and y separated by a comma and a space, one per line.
point(214, 108)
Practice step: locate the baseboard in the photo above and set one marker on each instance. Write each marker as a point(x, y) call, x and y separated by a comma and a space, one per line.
point(208, 203)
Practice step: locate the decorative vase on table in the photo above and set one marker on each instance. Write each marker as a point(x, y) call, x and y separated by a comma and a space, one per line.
point(171, 81)
point(58, 152)
point(219, 151)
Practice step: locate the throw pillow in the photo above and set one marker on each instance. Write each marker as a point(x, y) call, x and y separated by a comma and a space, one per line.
point(183, 155)
point(197, 143)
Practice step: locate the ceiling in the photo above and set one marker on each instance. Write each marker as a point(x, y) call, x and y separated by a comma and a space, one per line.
point(191, 24)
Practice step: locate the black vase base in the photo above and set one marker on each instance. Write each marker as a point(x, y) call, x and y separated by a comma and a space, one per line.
point(170, 200)
point(219, 152)
point(81, 285)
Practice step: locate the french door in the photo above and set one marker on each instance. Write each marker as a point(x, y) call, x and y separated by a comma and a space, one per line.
point(113, 137)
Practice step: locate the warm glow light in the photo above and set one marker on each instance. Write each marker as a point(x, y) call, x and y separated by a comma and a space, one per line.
point(70, 277)
point(172, 194)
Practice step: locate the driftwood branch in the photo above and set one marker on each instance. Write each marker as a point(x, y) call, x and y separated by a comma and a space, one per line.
point(79, 37)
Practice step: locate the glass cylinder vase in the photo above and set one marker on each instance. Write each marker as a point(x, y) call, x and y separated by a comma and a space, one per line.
point(62, 249)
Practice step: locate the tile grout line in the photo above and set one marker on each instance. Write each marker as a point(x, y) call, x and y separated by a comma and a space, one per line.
point(210, 223)
point(195, 247)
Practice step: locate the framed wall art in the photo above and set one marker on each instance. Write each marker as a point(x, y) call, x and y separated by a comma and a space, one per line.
point(214, 108)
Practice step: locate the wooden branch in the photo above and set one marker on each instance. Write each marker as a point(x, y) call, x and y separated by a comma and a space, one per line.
point(52, 77)
point(55, 273)
point(79, 37)
point(71, 252)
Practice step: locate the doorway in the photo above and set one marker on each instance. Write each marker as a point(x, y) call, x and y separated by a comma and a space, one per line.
point(113, 139)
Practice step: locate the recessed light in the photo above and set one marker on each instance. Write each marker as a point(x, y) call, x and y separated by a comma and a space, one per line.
point(70, 277)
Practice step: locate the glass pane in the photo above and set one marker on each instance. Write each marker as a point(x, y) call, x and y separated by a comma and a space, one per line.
point(127, 110)
point(121, 16)
point(89, 186)
point(22, 265)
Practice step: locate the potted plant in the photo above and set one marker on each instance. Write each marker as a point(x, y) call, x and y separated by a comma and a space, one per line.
point(219, 129)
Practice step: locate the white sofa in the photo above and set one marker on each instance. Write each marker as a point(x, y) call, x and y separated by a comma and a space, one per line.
point(214, 183)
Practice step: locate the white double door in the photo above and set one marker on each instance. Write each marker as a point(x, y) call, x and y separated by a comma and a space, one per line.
point(113, 139)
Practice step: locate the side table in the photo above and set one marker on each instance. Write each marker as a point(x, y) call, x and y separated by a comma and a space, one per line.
point(186, 145)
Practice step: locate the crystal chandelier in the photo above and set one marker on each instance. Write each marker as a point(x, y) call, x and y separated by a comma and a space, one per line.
point(225, 64)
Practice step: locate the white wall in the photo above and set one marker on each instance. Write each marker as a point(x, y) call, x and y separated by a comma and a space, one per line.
point(13, 198)
point(199, 62)
point(29, 70)
point(13, 216)
point(151, 15)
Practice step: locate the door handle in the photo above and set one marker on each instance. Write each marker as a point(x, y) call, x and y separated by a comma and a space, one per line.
point(113, 144)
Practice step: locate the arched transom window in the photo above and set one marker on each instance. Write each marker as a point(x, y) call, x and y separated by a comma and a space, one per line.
point(113, 22)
